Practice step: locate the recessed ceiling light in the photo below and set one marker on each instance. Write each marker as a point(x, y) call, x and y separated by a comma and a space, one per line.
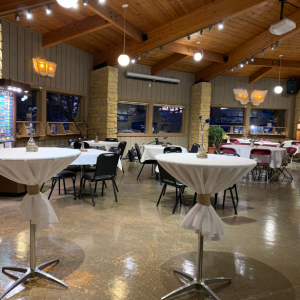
point(198, 42)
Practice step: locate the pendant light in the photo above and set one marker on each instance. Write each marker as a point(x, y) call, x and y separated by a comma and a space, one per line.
point(123, 59)
point(198, 55)
point(67, 3)
point(278, 89)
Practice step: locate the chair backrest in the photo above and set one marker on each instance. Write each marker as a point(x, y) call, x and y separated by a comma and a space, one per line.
point(165, 176)
point(115, 150)
point(111, 140)
point(122, 146)
point(77, 145)
point(282, 141)
point(62, 146)
point(224, 144)
point(260, 152)
point(72, 141)
point(237, 142)
point(173, 150)
point(267, 145)
point(281, 145)
point(195, 148)
point(295, 143)
point(168, 143)
point(291, 151)
point(106, 164)
point(229, 154)
point(233, 140)
point(227, 150)
point(138, 151)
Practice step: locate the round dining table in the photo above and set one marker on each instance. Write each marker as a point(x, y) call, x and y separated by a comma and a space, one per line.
point(106, 144)
point(277, 154)
point(205, 177)
point(32, 169)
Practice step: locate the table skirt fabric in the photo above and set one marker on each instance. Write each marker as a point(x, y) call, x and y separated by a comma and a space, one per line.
point(149, 152)
point(205, 176)
point(34, 169)
point(106, 145)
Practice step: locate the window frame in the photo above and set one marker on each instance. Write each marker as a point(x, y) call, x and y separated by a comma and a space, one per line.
point(149, 118)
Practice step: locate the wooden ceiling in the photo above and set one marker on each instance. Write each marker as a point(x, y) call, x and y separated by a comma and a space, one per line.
point(163, 20)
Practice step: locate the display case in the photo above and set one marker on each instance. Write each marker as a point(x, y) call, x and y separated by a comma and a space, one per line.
point(23, 129)
point(268, 130)
point(6, 115)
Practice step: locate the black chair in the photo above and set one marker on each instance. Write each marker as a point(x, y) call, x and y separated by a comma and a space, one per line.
point(173, 150)
point(65, 174)
point(168, 179)
point(115, 150)
point(146, 162)
point(77, 145)
point(195, 148)
point(72, 141)
point(105, 169)
point(111, 140)
point(122, 145)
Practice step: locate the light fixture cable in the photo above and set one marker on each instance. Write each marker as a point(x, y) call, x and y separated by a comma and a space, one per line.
point(124, 29)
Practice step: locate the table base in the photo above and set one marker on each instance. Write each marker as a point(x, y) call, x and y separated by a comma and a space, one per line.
point(32, 271)
point(198, 283)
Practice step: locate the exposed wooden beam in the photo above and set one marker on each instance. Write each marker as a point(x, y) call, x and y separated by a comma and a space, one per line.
point(10, 6)
point(164, 64)
point(250, 48)
point(115, 19)
point(74, 30)
point(259, 74)
point(264, 62)
point(199, 18)
point(190, 50)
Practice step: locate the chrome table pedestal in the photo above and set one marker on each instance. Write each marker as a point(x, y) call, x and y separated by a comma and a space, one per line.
point(198, 283)
point(32, 271)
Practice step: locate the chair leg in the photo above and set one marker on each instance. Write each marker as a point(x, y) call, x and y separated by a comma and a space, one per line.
point(165, 190)
point(95, 187)
point(116, 186)
point(224, 198)
point(233, 201)
point(65, 186)
point(236, 194)
point(195, 199)
point(216, 200)
point(177, 199)
point(103, 182)
point(59, 186)
point(176, 193)
point(140, 172)
point(42, 187)
point(84, 184)
point(92, 192)
point(74, 180)
point(115, 190)
point(52, 187)
point(80, 190)
point(161, 193)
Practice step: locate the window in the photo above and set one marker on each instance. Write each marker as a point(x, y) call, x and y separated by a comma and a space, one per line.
point(131, 117)
point(23, 106)
point(61, 107)
point(167, 119)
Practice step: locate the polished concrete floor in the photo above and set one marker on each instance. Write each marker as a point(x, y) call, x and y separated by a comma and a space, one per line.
point(127, 250)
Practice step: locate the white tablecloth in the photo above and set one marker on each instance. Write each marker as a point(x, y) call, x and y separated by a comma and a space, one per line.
point(277, 154)
point(149, 152)
point(107, 145)
point(242, 141)
point(90, 158)
point(205, 176)
point(34, 168)
point(289, 144)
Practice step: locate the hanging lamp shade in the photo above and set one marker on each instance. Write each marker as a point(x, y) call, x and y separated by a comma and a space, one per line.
point(124, 59)
point(40, 66)
point(198, 55)
point(67, 3)
point(278, 89)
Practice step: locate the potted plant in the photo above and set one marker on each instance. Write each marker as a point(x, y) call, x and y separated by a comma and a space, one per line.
point(215, 137)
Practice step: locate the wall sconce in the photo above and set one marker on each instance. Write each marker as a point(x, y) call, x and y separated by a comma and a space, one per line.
point(258, 97)
point(43, 67)
point(241, 95)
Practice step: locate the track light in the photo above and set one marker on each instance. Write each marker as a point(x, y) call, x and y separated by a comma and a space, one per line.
point(235, 67)
point(241, 65)
point(48, 10)
point(29, 14)
point(247, 62)
point(263, 52)
point(161, 48)
point(85, 2)
point(252, 59)
point(272, 47)
point(148, 54)
point(210, 28)
point(133, 61)
point(17, 17)
point(139, 57)
point(232, 70)
point(276, 45)
point(201, 32)
point(188, 37)
point(221, 25)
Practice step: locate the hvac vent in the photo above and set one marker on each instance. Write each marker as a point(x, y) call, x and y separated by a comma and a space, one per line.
point(151, 78)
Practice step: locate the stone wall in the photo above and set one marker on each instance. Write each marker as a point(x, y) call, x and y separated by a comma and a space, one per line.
point(297, 115)
point(103, 103)
point(200, 105)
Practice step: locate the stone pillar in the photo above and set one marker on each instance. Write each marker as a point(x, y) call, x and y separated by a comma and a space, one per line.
point(297, 116)
point(200, 105)
point(103, 103)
